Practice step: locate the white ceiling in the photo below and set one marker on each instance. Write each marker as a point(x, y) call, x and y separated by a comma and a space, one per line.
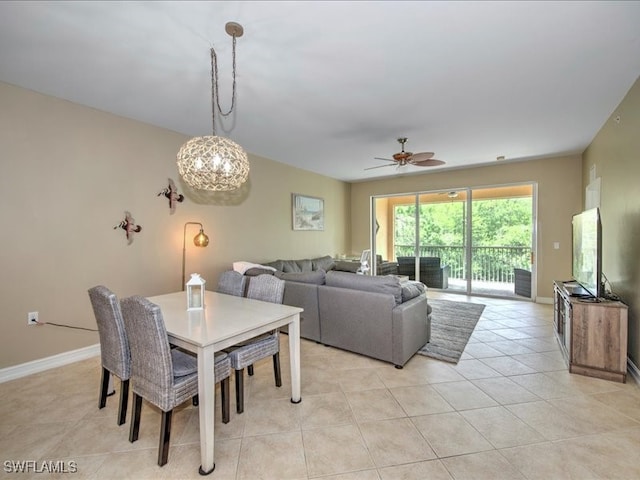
point(327, 86)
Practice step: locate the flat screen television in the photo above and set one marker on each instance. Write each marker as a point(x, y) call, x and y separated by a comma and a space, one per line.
point(587, 251)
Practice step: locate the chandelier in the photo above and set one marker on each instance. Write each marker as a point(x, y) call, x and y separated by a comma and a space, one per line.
point(211, 162)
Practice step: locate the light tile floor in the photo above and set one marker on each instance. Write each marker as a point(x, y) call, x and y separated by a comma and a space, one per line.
point(508, 410)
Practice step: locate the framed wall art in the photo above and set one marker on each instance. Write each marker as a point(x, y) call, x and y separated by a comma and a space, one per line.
point(308, 212)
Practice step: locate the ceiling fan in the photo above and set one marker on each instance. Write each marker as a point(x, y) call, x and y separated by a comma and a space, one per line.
point(402, 158)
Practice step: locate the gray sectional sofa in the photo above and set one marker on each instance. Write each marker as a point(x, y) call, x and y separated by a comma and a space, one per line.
point(377, 316)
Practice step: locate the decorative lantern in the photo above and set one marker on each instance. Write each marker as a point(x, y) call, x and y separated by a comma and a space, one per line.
point(195, 292)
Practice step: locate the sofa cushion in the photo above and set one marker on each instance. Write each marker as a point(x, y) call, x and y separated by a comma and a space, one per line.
point(277, 264)
point(411, 289)
point(367, 283)
point(325, 263)
point(254, 272)
point(303, 265)
point(316, 277)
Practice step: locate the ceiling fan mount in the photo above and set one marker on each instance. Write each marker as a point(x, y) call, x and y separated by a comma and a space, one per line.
point(402, 158)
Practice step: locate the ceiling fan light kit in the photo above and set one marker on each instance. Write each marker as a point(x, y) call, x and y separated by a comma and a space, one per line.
point(402, 158)
point(211, 162)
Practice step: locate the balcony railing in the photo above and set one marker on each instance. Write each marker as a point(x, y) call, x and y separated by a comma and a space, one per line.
point(490, 264)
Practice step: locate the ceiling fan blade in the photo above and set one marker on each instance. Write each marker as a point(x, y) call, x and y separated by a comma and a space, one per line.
point(388, 165)
point(403, 158)
point(432, 162)
point(421, 156)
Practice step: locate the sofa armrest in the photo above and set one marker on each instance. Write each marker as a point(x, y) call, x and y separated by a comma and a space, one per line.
point(411, 328)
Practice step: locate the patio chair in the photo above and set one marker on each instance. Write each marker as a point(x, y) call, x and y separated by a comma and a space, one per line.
point(432, 274)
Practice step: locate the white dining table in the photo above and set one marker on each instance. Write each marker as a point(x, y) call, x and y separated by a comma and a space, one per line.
point(225, 321)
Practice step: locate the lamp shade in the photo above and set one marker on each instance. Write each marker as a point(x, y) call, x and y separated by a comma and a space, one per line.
point(201, 239)
point(213, 163)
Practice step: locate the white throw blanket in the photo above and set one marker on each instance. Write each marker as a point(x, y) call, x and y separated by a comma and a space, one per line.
point(242, 267)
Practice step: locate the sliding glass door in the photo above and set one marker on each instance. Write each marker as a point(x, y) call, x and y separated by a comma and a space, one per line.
point(424, 234)
point(442, 238)
point(502, 240)
point(463, 240)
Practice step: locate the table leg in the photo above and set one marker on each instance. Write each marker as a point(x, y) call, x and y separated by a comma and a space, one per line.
point(294, 357)
point(206, 408)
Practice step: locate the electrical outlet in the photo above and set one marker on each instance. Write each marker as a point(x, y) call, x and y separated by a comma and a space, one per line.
point(32, 318)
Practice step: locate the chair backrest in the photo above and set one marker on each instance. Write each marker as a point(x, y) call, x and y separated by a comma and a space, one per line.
point(406, 260)
point(430, 262)
point(232, 283)
point(266, 288)
point(151, 364)
point(114, 344)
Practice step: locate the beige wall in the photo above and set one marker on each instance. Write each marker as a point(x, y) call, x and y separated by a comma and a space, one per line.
point(68, 174)
point(559, 197)
point(384, 236)
point(615, 153)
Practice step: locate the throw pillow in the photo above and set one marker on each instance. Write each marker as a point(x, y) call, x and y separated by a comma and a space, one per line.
point(411, 289)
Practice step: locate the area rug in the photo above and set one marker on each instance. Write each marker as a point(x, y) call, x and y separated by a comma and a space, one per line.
point(452, 324)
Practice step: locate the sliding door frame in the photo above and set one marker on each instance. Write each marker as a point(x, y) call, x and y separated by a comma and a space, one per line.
point(468, 236)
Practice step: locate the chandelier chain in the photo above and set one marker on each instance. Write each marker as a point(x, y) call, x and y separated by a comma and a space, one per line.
point(215, 100)
point(213, 163)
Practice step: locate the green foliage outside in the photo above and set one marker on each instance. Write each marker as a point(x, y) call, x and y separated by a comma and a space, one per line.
point(504, 222)
point(496, 223)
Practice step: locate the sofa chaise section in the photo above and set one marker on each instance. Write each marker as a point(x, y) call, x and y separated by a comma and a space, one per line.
point(377, 316)
point(367, 315)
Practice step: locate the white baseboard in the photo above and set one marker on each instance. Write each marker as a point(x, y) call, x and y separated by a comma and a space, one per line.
point(545, 300)
point(36, 366)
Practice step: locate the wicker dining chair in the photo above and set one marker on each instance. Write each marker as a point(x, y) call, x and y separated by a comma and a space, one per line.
point(232, 283)
point(269, 289)
point(164, 376)
point(114, 346)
